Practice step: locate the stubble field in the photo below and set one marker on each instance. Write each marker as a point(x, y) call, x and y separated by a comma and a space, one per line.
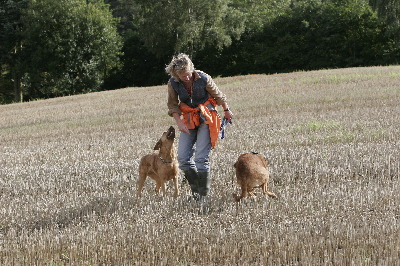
point(68, 170)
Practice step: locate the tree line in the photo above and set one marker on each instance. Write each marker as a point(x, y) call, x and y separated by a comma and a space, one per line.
point(51, 48)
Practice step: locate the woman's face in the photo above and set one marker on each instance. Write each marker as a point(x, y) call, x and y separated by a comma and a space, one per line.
point(185, 76)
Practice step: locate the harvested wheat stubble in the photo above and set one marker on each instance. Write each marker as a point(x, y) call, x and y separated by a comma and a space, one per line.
point(68, 168)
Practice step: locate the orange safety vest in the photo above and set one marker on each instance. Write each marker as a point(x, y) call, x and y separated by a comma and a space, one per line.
point(191, 118)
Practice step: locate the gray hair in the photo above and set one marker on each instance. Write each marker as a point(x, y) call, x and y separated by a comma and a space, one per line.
point(179, 63)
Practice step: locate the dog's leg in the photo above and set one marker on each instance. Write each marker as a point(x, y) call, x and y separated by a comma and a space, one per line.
point(140, 183)
point(244, 192)
point(163, 188)
point(266, 192)
point(271, 195)
point(158, 186)
point(251, 192)
point(176, 192)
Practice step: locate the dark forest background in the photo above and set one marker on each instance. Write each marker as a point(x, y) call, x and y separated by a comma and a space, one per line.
point(52, 48)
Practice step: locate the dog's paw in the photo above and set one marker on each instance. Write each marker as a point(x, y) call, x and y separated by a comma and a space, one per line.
point(236, 197)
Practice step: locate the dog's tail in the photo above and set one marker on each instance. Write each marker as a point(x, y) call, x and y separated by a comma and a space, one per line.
point(271, 195)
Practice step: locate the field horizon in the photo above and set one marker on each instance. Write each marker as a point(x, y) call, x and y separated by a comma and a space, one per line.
point(68, 171)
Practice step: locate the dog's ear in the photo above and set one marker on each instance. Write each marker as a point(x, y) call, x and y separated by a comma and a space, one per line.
point(158, 145)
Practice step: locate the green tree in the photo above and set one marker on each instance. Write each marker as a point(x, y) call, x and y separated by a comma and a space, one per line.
point(310, 35)
point(168, 27)
point(10, 49)
point(239, 58)
point(257, 13)
point(154, 30)
point(70, 46)
point(127, 13)
point(389, 13)
point(322, 36)
point(388, 10)
point(140, 66)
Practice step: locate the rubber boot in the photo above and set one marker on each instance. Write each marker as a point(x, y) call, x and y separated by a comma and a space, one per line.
point(193, 180)
point(204, 183)
point(204, 189)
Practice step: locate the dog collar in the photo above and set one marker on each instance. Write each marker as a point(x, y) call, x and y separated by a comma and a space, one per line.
point(164, 161)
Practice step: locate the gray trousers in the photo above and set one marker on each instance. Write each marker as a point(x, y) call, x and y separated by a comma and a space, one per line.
point(194, 149)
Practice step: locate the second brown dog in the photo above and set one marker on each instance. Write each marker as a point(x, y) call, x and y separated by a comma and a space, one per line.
point(161, 166)
point(252, 172)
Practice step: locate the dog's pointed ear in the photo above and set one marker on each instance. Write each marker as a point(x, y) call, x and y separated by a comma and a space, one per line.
point(158, 145)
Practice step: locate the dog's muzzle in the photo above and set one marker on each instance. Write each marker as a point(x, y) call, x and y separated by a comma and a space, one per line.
point(171, 133)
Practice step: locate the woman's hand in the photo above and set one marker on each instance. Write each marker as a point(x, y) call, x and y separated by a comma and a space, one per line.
point(181, 126)
point(228, 115)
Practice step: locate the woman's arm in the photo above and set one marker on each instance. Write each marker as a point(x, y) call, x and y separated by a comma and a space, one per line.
point(227, 112)
point(172, 101)
point(219, 97)
point(179, 122)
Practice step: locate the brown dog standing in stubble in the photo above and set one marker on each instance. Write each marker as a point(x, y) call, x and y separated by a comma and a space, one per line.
point(252, 172)
point(161, 166)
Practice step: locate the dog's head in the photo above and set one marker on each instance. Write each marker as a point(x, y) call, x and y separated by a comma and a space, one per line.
point(167, 137)
point(170, 134)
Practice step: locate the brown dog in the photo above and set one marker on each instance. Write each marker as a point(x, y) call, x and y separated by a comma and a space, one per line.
point(161, 166)
point(252, 172)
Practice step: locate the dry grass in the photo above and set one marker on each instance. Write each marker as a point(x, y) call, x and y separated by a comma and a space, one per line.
point(68, 169)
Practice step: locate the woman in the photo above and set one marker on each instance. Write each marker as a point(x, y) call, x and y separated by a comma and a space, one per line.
point(193, 95)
